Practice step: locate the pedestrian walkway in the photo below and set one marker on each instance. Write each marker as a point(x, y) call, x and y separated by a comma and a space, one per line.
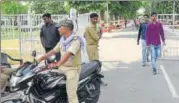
point(170, 30)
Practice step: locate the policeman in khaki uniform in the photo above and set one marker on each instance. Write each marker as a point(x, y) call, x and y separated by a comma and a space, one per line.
point(70, 64)
point(92, 35)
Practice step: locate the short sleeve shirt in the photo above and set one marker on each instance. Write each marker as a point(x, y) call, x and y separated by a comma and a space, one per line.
point(75, 49)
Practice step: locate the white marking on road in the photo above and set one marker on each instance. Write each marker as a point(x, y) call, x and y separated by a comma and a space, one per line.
point(123, 67)
point(108, 69)
point(169, 82)
point(104, 69)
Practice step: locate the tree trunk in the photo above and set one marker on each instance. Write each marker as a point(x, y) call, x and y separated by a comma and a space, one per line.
point(116, 16)
point(102, 14)
point(135, 23)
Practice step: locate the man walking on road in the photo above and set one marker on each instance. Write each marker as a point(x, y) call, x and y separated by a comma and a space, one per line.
point(93, 34)
point(142, 35)
point(153, 34)
point(49, 34)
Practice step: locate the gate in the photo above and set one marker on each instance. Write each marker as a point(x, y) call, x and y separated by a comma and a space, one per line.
point(171, 26)
point(24, 29)
point(171, 50)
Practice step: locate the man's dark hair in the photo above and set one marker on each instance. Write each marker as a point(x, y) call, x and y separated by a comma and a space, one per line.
point(92, 15)
point(47, 15)
point(146, 15)
point(153, 13)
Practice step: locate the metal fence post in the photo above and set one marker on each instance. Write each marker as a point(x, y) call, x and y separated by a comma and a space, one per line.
point(20, 36)
point(173, 15)
point(0, 50)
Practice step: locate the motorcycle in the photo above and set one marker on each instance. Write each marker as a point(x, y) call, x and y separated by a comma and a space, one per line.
point(23, 69)
point(43, 85)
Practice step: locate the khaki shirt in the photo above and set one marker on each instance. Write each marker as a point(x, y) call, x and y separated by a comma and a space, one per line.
point(75, 49)
point(91, 35)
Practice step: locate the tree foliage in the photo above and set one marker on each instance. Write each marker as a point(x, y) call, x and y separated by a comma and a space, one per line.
point(126, 9)
point(161, 7)
point(13, 7)
point(52, 7)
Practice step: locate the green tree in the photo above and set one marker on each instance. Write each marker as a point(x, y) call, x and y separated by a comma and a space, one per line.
point(162, 7)
point(52, 7)
point(116, 8)
point(165, 7)
point(13, 7)
point(127, 9)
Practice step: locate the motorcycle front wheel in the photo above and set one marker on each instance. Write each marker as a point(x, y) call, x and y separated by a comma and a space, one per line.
point(14, 101)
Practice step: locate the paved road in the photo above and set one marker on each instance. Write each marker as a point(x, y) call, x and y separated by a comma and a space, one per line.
point(131, 83)
point(128, 81)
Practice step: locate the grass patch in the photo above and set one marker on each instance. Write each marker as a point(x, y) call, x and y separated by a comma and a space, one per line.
point(12, 33)
point(11, 43)
point(15, 54)
point(14, 43)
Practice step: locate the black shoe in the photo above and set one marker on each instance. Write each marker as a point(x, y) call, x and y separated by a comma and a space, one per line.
point(154, 72)
point(148, 60)
point(143, 65)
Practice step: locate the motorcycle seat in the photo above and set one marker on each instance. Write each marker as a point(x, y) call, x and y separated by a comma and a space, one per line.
point(86, 70)
point(89, 68)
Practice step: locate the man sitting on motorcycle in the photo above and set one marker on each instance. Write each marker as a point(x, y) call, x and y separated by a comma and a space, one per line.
point(70, 64)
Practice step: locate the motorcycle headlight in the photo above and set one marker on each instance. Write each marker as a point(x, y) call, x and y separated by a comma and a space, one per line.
point(29, 83)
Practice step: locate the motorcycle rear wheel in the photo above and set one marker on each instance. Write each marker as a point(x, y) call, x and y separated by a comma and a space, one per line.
point(95, 91)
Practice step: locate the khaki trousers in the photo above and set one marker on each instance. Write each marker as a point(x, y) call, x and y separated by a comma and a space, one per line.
point(92, 51)
point(72, 79)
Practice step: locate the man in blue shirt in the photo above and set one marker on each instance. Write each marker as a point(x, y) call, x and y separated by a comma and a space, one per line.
point(142, 35)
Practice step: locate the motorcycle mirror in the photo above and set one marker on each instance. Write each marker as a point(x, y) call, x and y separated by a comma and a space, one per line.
point(34, 53)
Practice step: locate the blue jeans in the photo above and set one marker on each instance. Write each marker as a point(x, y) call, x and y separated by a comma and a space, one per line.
point(145, 51)
point(155, 53)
